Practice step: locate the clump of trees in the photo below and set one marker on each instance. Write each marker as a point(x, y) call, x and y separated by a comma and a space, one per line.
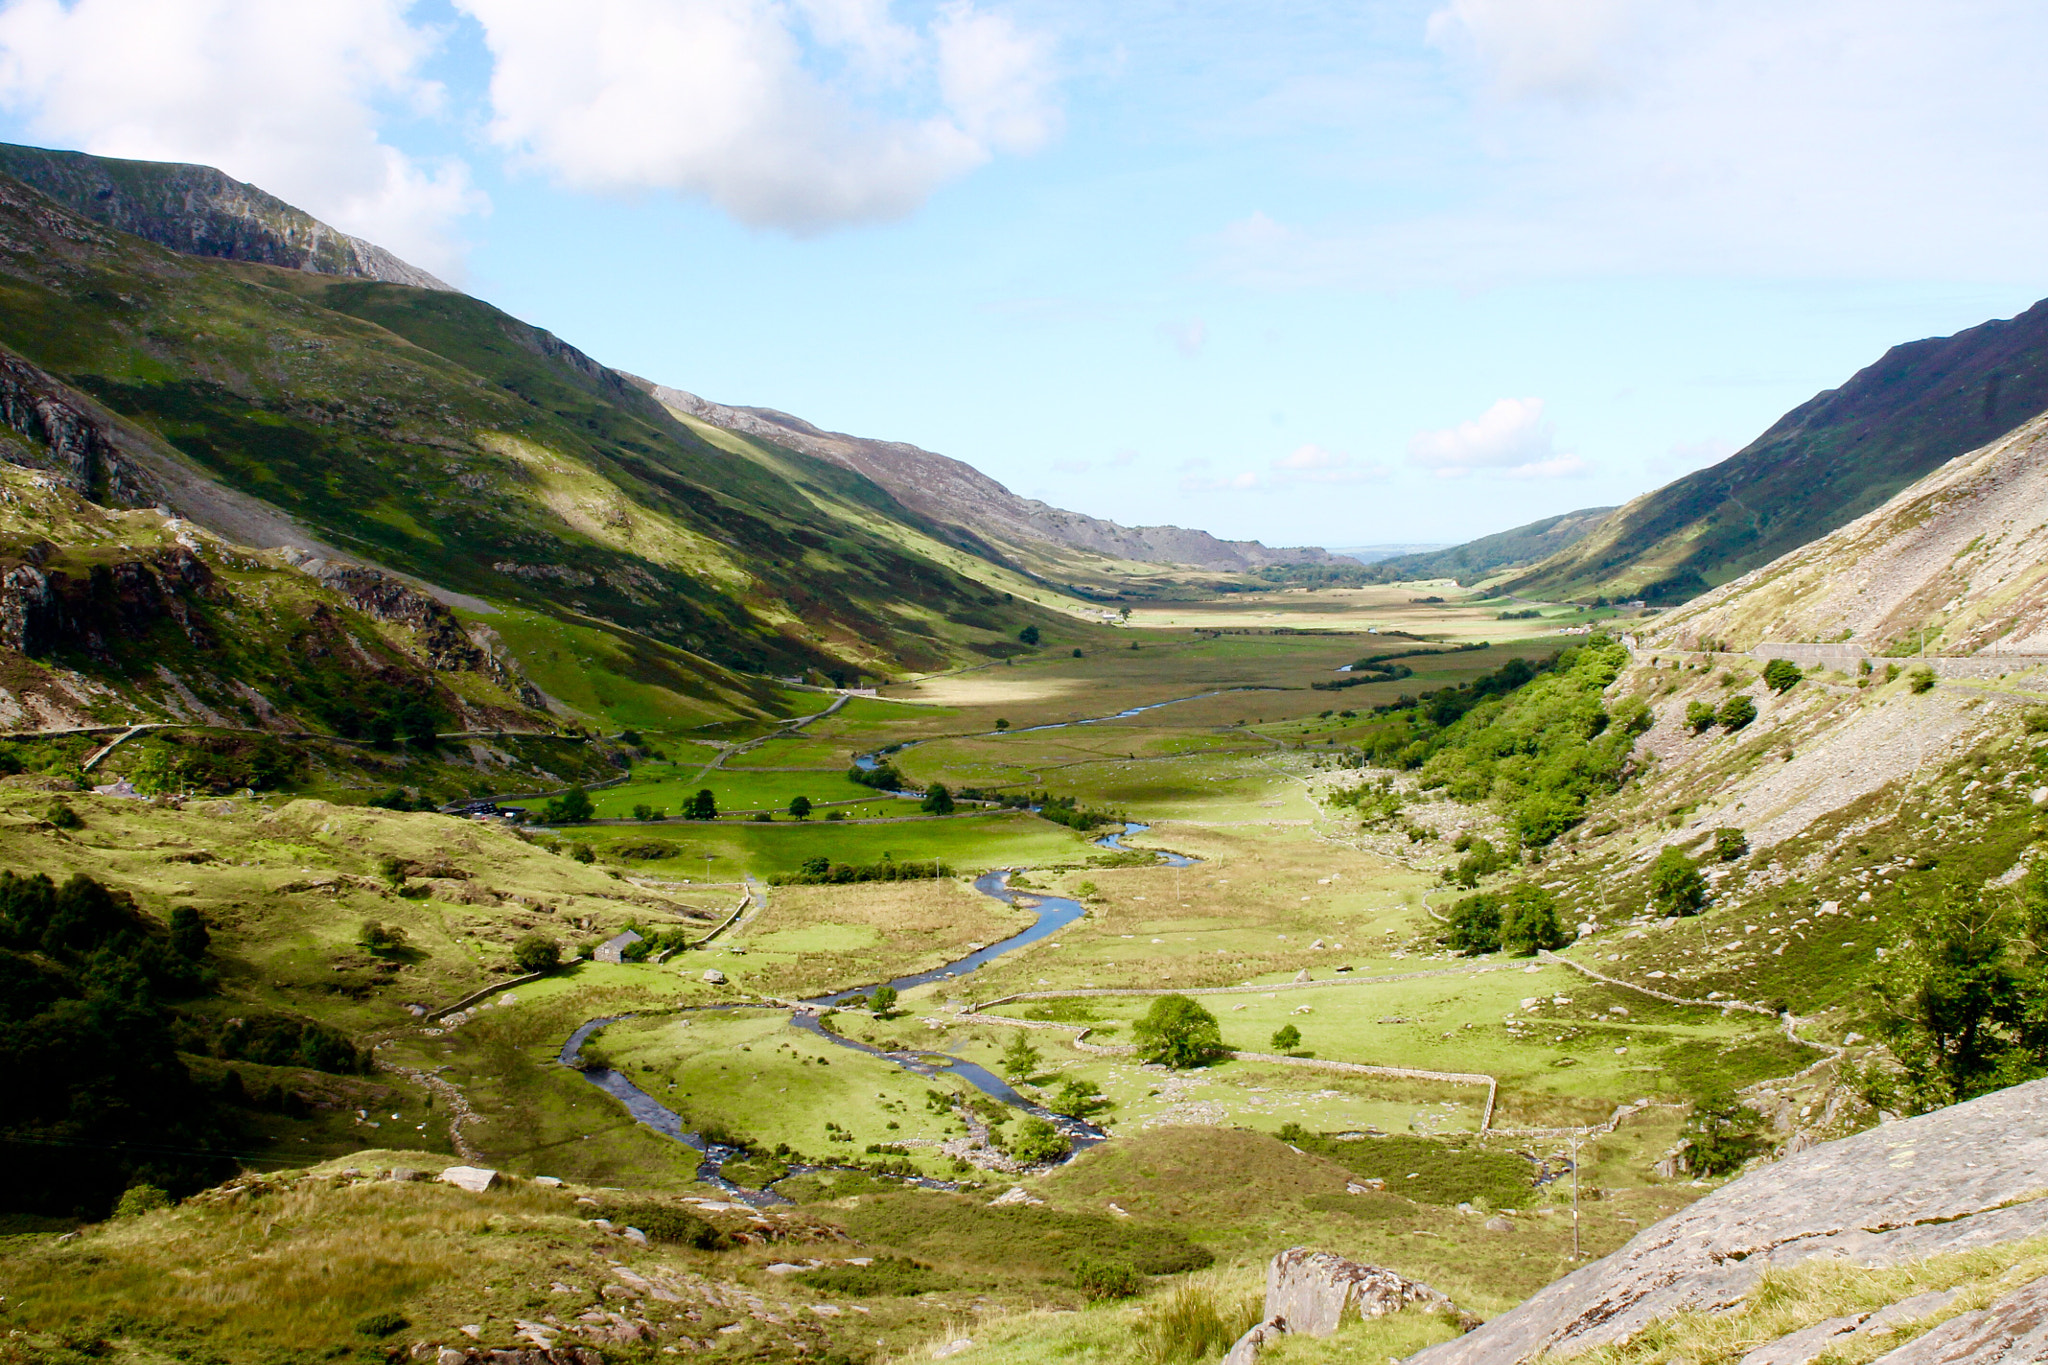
point(572, 807)
point(823, 871)
point(1520, 921)
point(1676, 884)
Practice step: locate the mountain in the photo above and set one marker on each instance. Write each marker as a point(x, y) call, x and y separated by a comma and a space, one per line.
point(1477, 559)
point(981, 511)
point(1959, 558)
point(201, 212)
point(421, 433)
point(1825, 463)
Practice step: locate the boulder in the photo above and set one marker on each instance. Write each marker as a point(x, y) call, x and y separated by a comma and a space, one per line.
point(1963, 1177)
point(714, 977)
point(1247, 1347)
point(475, 1179)
point(1310, 1291)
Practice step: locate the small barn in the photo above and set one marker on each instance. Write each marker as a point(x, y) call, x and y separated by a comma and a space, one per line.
point(614, 949)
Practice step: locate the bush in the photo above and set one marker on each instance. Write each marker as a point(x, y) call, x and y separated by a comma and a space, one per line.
point(582, 853)
point(382, 1325)
point(1699, 717)
point(938, 800)
point(645, 812)
point(1730, 844)
point(1676, 886)
point(1029, 635)
point(888, 1276)
point(572, 807)
point(1528, 922)
point(1178, 1033)
point(881, 1000)
point(1920, 680)
point(536, 952)
point(1782, 675)
point(384, 940)
point(1483, 860)
point(1037, 1141)
point(1286, 1039)
point(1077, 1099)
point(141, 1199)
point(1721, 1132)
point(663, 1222)
point(1735, 713)
point(1475, 925)
point(1099, 1280)
point(62, 816)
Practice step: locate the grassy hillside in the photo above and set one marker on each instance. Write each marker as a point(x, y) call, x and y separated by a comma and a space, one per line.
point(1825, 463)
point(1477, 559)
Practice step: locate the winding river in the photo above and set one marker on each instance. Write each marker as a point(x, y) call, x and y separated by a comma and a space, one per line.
point(1054, 914)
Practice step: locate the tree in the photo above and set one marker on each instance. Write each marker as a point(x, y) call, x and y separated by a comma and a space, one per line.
point(1529, 922)
point(1782, 675)
point(1002, 724)
point(536, 952)
point(1077, 1099)
point(882, 999)
point(1475, 925)
point(702, 806)
point(938, 800)
point(1037, 1141)
point(1730, 843)
point(1286, 1038)
point(1699, 717)
point(1178, 1033)
point(1920, 680)
point(1676, 886)
point(644, 812)
point(189, 935)
point(1735, 713)
point(1021, 1060)
point(1721, 1132)
point(1965, 1005)
point(572, 807)
point(1029, 635)
point(800, 807)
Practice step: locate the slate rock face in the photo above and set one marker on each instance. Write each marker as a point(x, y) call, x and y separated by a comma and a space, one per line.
point(1896, 1193)
point(1311, 1290)
point(2012, 1331)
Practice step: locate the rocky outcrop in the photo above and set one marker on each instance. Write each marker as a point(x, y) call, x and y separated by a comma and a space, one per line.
point(2011, 1331)
point(1968, 1176)
point(959, 495)
point(438, 635)
point(29, 616)
point(1309, 1292)
point(75, 444)
point(38, 610)
point(199, 211)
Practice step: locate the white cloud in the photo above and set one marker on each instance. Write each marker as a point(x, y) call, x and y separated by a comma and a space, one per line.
point(1510, 440)
point(798, 116)
point(284, 95)
point(1845, 139)
point(1304, 464)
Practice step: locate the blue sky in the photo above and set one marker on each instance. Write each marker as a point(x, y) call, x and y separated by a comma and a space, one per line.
point(1311, 273)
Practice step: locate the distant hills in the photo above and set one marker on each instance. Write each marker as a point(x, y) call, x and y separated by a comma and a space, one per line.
point(1481, 558)
point(982, 511)
point(1828, 461)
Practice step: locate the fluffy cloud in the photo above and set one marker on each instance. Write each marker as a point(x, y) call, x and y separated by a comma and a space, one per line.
point(286, 96)
point(1510, 440)
point(799, 116)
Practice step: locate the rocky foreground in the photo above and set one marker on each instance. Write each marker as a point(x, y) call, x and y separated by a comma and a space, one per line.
point(1971, 1176)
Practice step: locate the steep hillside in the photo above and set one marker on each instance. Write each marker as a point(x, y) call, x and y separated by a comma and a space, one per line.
point(1957, 562)
point(427, 432)
point(1477, 559)
point(201, 212)
point(1825, 463)
point(978, 510)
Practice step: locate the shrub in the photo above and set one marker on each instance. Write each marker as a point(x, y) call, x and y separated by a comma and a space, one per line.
point(1730, 844)
point(1077, 1099)
point(1676, 886)
point(189, 935)
point(1021, 1060)
point(1721, 1132)
point(1029, 635)
point(582, 853)
point(1782, 675)
point(835, 815)
point(382, 1325)
point(1699, 717)
point(644, 812)
point(62, 816)
point(1482, 861)
point(572, 807)
point(1099, 1280)
point(1286, 1038)
point(141, 1199)
point(1735, 713)
point(382, 939)
point(938, 800)
point(536, 952)
point(1920, 680)
point(882, 1000)
point(1178, 1033)
point(663, 1222)
point(1037, 1141)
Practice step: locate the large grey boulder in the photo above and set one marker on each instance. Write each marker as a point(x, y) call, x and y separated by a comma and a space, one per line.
point(1940, 1182)
point(1311, 1291)
point(475, 1179)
